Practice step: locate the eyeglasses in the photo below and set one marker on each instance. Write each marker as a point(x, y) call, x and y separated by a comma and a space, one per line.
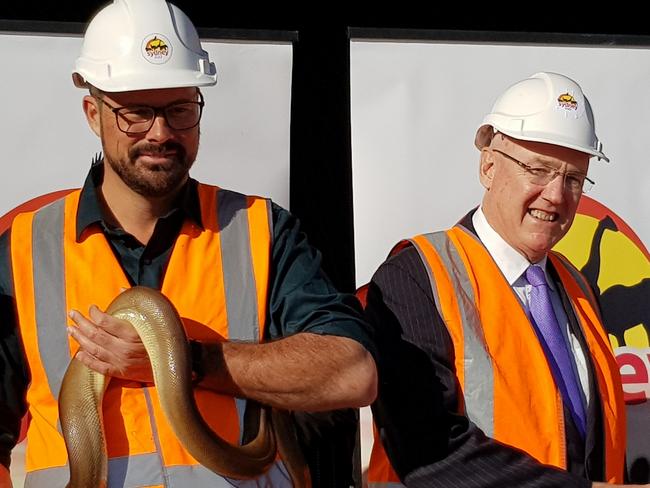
point(138, 119)
point(543, 175)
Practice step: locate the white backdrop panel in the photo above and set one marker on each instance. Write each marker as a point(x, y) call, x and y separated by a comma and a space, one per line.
point(47, 145)
point(415, 110)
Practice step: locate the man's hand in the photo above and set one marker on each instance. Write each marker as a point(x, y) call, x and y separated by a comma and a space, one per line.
point(110, 346)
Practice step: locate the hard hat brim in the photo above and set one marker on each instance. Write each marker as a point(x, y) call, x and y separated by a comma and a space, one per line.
point(486, 132)
point(124, 84)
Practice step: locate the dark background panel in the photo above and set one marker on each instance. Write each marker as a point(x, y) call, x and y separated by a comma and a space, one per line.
point(321, 189)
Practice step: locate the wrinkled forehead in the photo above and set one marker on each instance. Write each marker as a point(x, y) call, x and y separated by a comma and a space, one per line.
point(542, 152)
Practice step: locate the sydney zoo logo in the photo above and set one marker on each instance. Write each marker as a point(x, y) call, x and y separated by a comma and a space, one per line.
point(617, 265)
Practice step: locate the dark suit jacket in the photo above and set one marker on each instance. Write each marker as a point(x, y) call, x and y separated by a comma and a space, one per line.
point(429, 442)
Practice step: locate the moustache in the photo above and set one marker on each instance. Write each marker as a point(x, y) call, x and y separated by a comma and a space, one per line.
point(158, 149)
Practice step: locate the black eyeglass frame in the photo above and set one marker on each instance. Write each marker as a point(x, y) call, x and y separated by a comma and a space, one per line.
point(555, 173)
point(156, 111)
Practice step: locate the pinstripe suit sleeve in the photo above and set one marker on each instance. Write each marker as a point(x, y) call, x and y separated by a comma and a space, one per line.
point(429, 442)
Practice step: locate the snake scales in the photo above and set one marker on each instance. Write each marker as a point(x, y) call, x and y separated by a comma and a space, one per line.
point(160, 328)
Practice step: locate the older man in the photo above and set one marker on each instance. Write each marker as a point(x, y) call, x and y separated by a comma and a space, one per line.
point(237, 268)
point(494, 368)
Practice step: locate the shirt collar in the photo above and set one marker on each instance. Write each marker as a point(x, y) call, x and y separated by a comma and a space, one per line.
point(90, 211)
point(511, 263)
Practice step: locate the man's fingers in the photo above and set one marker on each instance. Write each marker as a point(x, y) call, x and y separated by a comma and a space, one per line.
point(97, 316)
point(116, 327)
point(109, 345)
point(88, 344)
point(95, 364)
point(90, 331)
point(140, 371)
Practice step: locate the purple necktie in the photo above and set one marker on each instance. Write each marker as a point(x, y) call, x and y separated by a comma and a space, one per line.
point(556, 348)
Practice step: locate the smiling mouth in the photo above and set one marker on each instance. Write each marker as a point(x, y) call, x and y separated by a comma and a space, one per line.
point(167, 154)
point(542, 215)
point(158, 158)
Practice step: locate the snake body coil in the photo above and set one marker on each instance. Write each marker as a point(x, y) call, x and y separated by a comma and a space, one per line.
point(161, 330)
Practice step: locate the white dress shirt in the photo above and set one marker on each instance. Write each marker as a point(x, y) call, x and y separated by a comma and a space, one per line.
point(513, 266)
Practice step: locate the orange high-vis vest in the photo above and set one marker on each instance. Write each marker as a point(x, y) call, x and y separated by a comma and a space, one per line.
point(217, 278)
point(486, 329)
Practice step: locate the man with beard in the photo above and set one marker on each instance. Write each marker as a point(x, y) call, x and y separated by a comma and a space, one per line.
point(494, 367)
point(264, 322)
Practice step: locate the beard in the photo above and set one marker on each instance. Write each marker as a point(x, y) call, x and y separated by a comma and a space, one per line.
point(156, 180)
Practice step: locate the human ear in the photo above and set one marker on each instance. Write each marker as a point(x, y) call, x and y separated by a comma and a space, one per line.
point(486, 167)
point(92, 113)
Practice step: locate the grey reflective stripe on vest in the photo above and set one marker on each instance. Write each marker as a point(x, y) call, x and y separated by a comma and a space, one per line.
point(237, 262)
point(478, 387)
point(386, 484)
point(144, 470)
point(190, 476)
point(156, 465)
point(241, 301)
point(140, 470)
point(47, 478)
point(49, 292)
point(238, 275)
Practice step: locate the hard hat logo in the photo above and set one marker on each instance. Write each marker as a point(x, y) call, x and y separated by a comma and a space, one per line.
point(156, 49)
point(567, 101)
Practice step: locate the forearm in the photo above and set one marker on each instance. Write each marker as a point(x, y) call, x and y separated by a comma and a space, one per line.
point(305, 371)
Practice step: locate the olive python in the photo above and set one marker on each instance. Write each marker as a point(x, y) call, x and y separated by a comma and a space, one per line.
point(161, 330)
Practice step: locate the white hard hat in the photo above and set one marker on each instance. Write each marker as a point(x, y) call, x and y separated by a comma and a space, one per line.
point(547, 107)
point(141, 45)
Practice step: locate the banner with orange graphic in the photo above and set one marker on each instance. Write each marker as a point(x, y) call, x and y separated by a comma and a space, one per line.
point(617, 265)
